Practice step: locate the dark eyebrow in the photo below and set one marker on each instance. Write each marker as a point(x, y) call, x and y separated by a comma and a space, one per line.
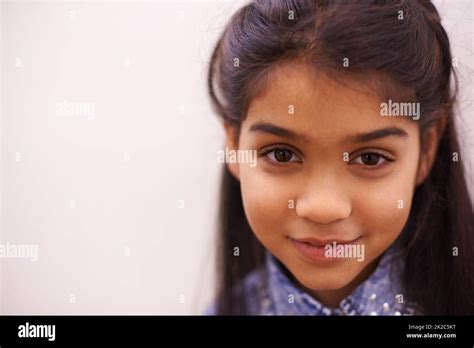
point(357, 138)
point(278, 131)
point(377, 134)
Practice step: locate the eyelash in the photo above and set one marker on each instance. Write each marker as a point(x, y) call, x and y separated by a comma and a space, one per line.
point(386, 159)
point(265, 153)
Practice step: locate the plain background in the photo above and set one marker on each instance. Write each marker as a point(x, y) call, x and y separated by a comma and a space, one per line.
point(122, 202)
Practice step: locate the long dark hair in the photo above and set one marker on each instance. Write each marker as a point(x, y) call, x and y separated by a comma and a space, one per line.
point(398, 43)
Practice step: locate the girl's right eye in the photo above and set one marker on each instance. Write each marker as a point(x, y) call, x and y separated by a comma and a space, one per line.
point(280, 156)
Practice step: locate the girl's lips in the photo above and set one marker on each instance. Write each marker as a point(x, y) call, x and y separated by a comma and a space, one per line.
point(319, 242)
point(314, 249)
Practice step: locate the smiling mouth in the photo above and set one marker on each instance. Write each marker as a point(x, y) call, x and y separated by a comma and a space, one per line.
point(315, 249)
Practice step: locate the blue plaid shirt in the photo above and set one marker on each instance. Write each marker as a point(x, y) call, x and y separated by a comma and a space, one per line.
point(380, 294)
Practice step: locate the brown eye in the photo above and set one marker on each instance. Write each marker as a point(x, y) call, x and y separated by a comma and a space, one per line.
point(283, 155)
point(370, 159)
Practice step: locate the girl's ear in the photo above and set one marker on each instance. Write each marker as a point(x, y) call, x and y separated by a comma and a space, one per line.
point(428, 150)
point(232, 143)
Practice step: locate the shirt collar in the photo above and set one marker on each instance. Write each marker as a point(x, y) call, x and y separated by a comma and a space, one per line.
point(380, 294)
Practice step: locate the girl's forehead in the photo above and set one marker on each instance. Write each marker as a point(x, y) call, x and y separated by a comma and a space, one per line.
point(296, 85)
point(299, 99)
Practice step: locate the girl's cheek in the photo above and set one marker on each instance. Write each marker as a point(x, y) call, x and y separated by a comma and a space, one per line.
point(384, 210)
point(265, 199)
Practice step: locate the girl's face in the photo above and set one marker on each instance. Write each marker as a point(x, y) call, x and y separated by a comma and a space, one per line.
point(330, 168)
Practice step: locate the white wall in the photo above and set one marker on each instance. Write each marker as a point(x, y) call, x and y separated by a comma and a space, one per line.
point(101, 191)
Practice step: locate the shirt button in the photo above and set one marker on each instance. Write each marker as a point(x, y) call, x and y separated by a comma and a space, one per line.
point(373, 296)
point(326, 311)
point(266, 303)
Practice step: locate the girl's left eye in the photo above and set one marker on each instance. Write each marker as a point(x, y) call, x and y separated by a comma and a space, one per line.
point(371, 159)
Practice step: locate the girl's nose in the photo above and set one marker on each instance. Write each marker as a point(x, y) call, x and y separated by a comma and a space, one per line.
point(323, 202)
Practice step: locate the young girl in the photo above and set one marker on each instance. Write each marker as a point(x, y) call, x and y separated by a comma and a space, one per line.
point(358, 203)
